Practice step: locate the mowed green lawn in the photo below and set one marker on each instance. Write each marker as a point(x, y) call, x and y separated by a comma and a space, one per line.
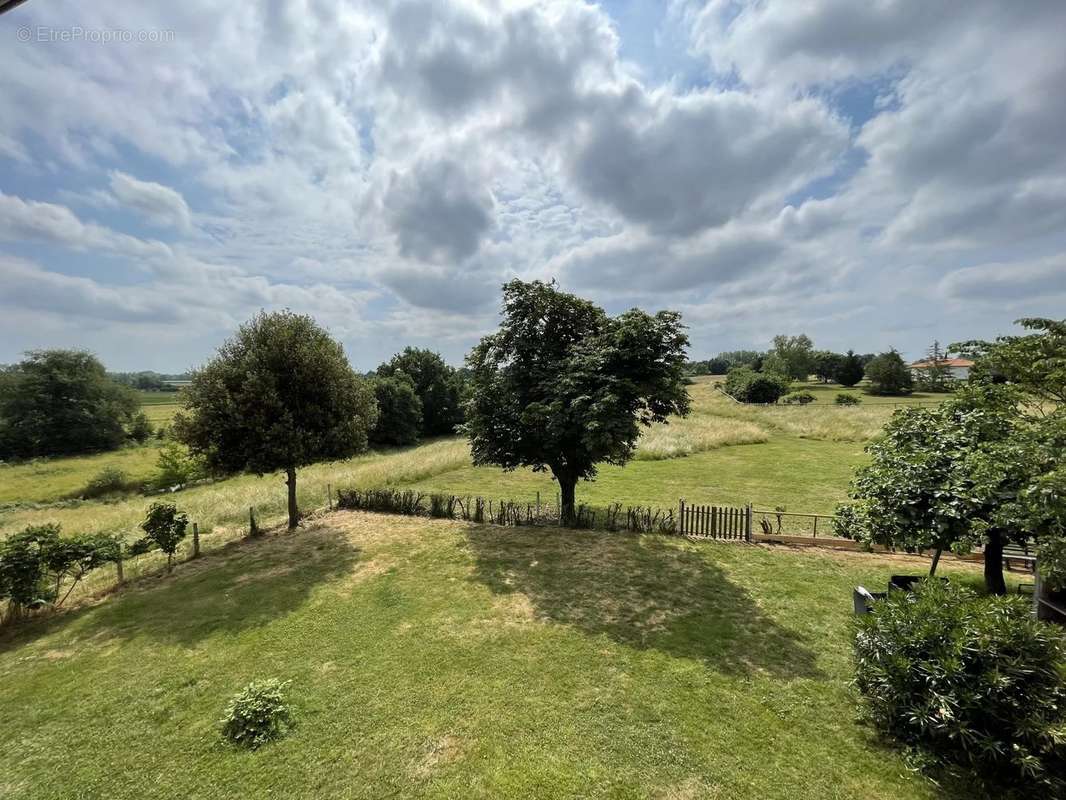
point(441, 659)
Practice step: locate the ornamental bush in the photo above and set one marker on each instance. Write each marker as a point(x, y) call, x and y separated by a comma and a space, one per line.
point(972, 683)
point(257, 714)
point(844, 399)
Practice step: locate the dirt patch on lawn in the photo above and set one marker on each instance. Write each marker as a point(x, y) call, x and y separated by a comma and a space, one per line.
point(438, 752)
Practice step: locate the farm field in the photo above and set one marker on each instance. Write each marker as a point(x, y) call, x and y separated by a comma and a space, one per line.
point(441, 659)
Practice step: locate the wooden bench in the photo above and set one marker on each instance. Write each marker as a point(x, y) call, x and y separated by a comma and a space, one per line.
point(1018, 556)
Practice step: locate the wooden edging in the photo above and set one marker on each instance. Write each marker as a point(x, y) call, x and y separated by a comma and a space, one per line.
point(833, 543)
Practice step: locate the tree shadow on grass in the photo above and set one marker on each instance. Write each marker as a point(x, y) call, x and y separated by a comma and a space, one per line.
point(246, 584)
point(643, 592)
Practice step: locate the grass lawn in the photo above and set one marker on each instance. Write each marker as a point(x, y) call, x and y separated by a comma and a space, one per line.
point(442, 659)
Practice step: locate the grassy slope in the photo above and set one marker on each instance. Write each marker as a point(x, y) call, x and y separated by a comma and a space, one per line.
point(437, 659)
point(47, 479)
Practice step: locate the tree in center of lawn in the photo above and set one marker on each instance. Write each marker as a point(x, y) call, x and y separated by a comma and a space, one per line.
point(564, 387)
point(279, 395)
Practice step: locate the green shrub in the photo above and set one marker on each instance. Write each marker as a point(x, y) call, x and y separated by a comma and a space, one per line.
point(109, 480)
point(748, 386)
point(36, 562)
point(845, 399)
point(798, 398)
point(257, 714)
point(140, 429)
point(175, 466)
point(971, 683)
point(1052, 561)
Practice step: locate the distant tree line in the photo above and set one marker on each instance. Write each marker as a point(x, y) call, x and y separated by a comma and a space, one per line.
point(766, 376)
point(148, 381)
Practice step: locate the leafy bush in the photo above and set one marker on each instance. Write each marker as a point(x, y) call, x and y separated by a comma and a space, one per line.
point(164, 528)
point(140, 428)
point(107, 481)
point(176, 466)
point(798, 398)
point(844, 399)
point(387, 501)
point(971, 682)
point(35, 563)
point(257, 714)
point(748, 386)
point(1052, 561)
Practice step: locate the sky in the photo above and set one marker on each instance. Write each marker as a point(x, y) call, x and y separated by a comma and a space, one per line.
point(877, 174)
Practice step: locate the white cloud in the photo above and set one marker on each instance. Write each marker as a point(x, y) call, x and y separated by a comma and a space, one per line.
point(387, 165)
point(159, 204)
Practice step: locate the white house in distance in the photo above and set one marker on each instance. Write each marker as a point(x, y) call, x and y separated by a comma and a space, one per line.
point(958, 368)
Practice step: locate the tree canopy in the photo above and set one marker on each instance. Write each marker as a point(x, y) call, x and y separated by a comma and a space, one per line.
point(61, 402)
point(889, 375)
point(1035, 362)
point(973, 471)
point(399, 411)
point(436, 384)
point(850, 370)
point(278, 395)
point(797, 354)
point(564, 387)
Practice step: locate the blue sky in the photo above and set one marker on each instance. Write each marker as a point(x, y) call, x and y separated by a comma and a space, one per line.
point(874, 175)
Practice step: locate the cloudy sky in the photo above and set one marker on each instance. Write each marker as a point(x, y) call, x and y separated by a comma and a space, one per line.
point(873, 174)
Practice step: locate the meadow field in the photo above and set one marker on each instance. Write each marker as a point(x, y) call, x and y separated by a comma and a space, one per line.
point(440, 659)
point(797, 457)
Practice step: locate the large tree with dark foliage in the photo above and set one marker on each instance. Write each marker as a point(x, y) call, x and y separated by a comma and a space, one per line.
point(437, 385)
point(399, 412)
point(889, 375)
point(279, 395)
point(564, 387)
point(850, 370)
point(61, 402)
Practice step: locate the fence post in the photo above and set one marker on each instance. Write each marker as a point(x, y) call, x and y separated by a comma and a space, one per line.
point(681, 516)
point(118, 569)
point(329, 495)
point(195, 540)
point(747, 524)
point(538, 505)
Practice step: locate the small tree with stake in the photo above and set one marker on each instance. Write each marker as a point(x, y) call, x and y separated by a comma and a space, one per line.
point(563, 387)
point(278, 396)
point(164, 528)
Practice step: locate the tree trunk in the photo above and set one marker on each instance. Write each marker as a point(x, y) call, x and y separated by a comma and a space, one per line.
point(994, 582)
point(567, 491)
point(294, 513)
point(936, 560)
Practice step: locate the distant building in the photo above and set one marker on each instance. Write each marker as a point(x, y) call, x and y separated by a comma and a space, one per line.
point(958, 368)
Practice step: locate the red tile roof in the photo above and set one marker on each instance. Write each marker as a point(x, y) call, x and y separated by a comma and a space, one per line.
point(948, 362)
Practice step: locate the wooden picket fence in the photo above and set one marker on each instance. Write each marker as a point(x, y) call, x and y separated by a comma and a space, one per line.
point(715, 522)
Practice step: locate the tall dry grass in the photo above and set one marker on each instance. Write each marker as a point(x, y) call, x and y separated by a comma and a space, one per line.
point(227, 502)
point(695, 434)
